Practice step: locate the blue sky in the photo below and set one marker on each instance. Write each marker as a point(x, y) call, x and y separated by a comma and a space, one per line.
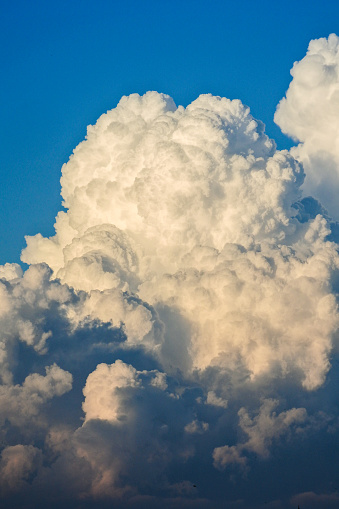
point(65, 63)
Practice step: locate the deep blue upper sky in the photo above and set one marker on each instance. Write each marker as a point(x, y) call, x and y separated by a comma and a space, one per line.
point(65, 63)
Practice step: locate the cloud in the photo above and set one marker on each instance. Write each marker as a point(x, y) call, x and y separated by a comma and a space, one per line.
point(261, 431)
point(102, 390)
point(309, 114)
point(178, 333)
point(17, 464)
point(10, 271)
point(267, 425)
point(227, 455)
point(315, 500)
point(202, 213)
point(213, 399)
point(19, 403)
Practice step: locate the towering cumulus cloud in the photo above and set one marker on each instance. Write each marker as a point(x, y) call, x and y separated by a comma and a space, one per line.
point(309, 113)
point(172, 341)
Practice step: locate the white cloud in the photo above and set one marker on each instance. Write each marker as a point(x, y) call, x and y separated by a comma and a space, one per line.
point(10, 271)
point(20, 403)
point(102, 390)
point(192, 210)
point(309, 114)
point(181, 273)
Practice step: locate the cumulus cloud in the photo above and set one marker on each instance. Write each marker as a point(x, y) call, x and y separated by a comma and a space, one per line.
point(102, 390)
point(179, 327)
point(19, 403)
point(192, 209)
point(10, 271)
point(309, 114)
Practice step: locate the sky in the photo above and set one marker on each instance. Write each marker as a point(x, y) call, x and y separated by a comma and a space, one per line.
point(169, 257)
point(66, 63)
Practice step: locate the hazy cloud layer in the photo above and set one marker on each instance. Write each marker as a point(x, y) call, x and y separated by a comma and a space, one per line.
point(176, 341)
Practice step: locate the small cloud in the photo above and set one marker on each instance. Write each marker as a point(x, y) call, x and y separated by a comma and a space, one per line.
point(214, 400)
point(197, 427)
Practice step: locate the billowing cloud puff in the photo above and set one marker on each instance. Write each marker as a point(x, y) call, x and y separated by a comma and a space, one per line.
point(309, 114)
point(179, 327)
point(192, 209)
point(101, 390)
point(19, 403)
